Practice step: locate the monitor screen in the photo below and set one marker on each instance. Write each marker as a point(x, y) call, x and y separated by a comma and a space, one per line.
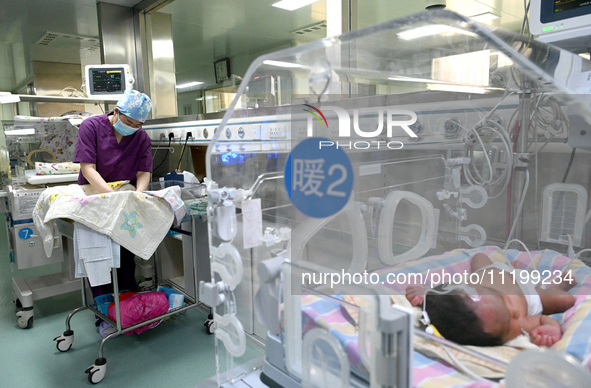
point(565, 23)
point(107, 80)
point(555, 10)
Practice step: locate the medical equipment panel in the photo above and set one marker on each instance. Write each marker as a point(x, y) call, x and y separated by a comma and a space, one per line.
point(109, 81)
point(25, 243)
point(564, 23)
point(397, 142)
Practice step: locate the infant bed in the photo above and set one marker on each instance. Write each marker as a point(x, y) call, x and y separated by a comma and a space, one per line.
point(432, 365)
point(471, 168)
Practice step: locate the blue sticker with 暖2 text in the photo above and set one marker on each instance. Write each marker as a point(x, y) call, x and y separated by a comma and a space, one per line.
point(318, 177)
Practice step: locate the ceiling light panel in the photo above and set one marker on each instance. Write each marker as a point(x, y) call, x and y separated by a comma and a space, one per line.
point(292, 5)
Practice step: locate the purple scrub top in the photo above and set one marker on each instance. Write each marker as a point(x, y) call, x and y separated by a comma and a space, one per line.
point(98, 145)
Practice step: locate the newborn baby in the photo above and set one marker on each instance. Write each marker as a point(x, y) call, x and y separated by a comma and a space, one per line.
point(497, 309)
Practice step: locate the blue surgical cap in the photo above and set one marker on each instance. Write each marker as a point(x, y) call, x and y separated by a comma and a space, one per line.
point(135, 105)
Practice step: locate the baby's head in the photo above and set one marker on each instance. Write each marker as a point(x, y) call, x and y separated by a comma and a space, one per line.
point(462, 315)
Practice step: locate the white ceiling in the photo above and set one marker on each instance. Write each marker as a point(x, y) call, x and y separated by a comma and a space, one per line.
point(203, 30)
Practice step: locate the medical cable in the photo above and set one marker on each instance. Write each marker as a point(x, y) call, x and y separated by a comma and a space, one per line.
point(165, 155)
point(463, 349)
point(462, 367)
point(471, 149)
point(536, 185)
point(486, 122)
point(73, 92)
point(476, 178)
point(494, 109)
point(547, 127)
point(578, 254)
point(520, 206)
point(570, 163)
point(526, 6)
point(531, 259)
point(183, 151)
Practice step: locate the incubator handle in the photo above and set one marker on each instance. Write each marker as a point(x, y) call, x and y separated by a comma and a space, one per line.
point(474, 196)
point(386, 225)
point(310, 227)
point(268, 294)
point(226, 225)
point(226, 262)
point(473, 235)
point(324, 360)
point(229, 330)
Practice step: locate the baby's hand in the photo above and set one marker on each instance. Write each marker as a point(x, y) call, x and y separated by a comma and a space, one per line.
point(415, 295)
point(546, 335)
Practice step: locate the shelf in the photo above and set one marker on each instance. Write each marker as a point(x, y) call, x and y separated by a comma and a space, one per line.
point(71, 100)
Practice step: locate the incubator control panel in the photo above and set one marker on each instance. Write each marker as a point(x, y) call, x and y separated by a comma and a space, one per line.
point(435, 122)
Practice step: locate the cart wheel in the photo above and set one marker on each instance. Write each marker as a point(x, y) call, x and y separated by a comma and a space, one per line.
point(209, 328)
point(25, 318)
point(65, 341)
point(24, 323)
point(96, 372)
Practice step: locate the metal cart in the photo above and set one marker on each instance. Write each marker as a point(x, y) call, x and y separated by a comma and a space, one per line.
point(96, 372)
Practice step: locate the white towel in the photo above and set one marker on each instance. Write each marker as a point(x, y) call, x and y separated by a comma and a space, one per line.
point(94, 255)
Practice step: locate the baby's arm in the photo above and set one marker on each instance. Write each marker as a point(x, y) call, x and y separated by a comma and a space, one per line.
point(547, 333)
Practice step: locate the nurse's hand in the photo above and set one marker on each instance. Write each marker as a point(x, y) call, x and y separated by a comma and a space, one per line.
point(143, 180)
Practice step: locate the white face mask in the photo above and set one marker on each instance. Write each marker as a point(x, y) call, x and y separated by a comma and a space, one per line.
point(122, 128)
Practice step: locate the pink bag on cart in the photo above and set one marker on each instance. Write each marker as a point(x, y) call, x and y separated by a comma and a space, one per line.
point(139, 307)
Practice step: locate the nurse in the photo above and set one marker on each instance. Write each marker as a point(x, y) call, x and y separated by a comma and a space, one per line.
point(113, 147)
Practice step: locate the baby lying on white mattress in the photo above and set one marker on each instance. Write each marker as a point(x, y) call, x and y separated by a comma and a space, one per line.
point(498, 309)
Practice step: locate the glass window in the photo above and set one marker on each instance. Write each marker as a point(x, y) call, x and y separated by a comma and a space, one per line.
point(205, 32)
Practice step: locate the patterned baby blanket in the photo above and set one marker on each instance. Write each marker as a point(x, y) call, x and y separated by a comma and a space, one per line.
point(137, 221)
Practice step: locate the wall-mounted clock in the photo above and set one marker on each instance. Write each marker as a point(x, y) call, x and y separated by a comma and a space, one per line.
point(222, 70)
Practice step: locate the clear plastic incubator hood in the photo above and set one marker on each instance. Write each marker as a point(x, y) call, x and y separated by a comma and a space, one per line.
point(348, 168)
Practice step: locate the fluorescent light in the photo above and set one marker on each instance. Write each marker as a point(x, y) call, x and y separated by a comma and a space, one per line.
point(434, 29)
point(585, 55)
point(20, 132)
point(456, 88)
point(281, 64)
point(291, 5)
point(188, 84)
point(412, 79)
point(486, 17)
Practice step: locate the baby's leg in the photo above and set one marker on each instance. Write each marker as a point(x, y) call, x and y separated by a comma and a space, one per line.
point(564, 283)
point(555, 300)
point(415, 294)
point(479, 260)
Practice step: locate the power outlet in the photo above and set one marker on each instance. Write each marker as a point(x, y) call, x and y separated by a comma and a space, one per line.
point(277, 132)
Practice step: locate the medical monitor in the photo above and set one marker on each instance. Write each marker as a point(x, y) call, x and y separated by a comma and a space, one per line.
point(566, 23)
point(107, 81)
